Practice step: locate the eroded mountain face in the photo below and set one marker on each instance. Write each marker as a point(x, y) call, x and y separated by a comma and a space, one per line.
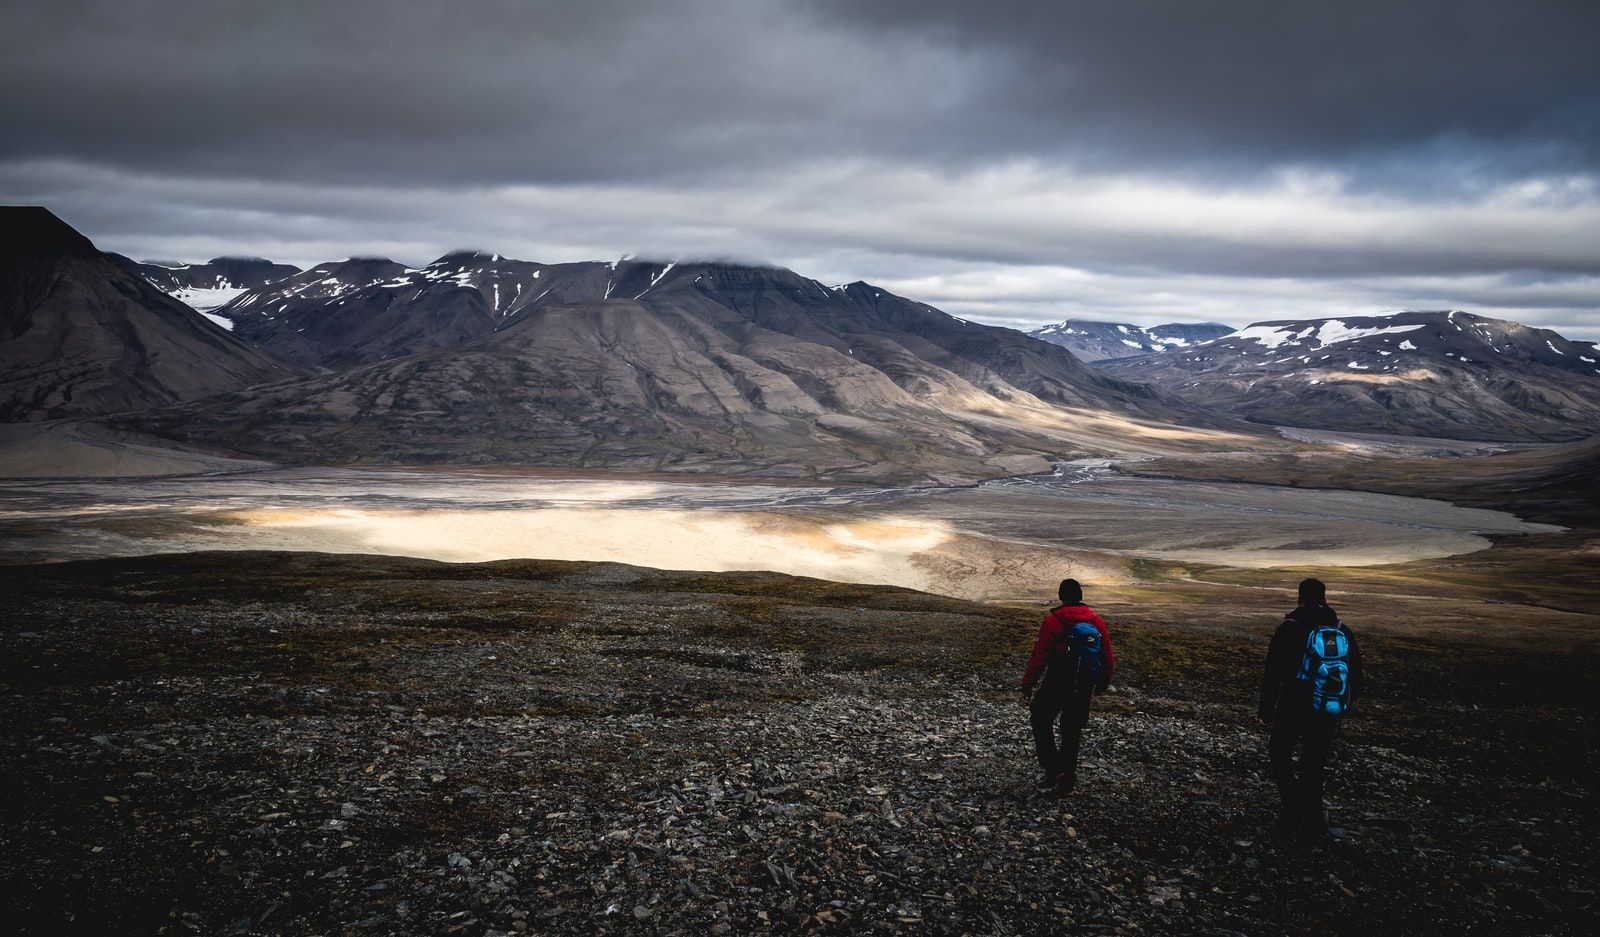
point(1097, 341)
point(654, 365)
point(1443, 373)
point(80, 335)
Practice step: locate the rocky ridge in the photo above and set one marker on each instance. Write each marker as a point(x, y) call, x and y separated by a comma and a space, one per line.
point(339, 315)
point(1093, 340)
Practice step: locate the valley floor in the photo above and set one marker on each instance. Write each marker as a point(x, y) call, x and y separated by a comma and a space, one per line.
point(1000, 540)
point(303, 743)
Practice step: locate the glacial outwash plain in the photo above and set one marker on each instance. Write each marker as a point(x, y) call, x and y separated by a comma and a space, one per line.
point(692, 598)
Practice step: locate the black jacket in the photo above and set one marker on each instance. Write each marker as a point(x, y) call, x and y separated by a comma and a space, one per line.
point(1281, 690)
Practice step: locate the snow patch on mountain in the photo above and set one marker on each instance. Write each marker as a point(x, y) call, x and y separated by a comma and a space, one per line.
point(202, 300)
point(1329, 332)
point(1270, 336)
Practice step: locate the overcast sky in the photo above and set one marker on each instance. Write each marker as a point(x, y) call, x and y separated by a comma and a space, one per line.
point(1016, 162)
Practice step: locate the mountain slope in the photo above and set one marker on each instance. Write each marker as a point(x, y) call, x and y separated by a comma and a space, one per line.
point(742, 369)
point(82, 335)
point(1096, 341)
point(211, 284)
point(1445, 374)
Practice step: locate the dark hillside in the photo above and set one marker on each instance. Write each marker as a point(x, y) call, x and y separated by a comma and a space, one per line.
point(80, 335)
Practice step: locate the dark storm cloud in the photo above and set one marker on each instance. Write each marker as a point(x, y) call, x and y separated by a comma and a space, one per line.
point(494, 90)
point(485, 91)
point(1017, 161)
point(1481, 85)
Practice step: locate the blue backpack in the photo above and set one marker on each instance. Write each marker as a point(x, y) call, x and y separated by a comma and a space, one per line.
point(1083, 655)
point(1325, 666)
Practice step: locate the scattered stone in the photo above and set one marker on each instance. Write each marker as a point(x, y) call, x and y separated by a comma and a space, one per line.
point(616, 772)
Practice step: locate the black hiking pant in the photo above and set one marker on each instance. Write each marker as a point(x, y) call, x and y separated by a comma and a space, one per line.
point(1058, 699)
point(1300, 786)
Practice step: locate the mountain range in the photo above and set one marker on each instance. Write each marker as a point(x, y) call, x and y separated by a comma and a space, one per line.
point(1442, 373)
point(656, 365)
point(1096, 341)
point(478, 358)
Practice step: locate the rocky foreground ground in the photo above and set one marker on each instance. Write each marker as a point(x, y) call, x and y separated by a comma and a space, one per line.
point(309, 744)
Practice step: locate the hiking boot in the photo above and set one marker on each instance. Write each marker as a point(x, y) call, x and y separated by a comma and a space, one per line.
point(1066, 783)
point(1049, 781)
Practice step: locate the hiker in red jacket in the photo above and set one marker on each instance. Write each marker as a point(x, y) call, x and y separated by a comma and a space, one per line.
point(1075, 663)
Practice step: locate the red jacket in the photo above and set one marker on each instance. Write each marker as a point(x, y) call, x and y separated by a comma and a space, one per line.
point(1053, 634)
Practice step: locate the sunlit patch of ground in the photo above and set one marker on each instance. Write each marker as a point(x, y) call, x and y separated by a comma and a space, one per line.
point(869, 551)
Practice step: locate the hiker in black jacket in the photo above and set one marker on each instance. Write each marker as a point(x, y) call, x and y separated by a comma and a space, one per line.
point(1311, 680)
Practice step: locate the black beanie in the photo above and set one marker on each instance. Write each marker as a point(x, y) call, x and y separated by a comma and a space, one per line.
point(1313, 592)
point(1070, 592)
